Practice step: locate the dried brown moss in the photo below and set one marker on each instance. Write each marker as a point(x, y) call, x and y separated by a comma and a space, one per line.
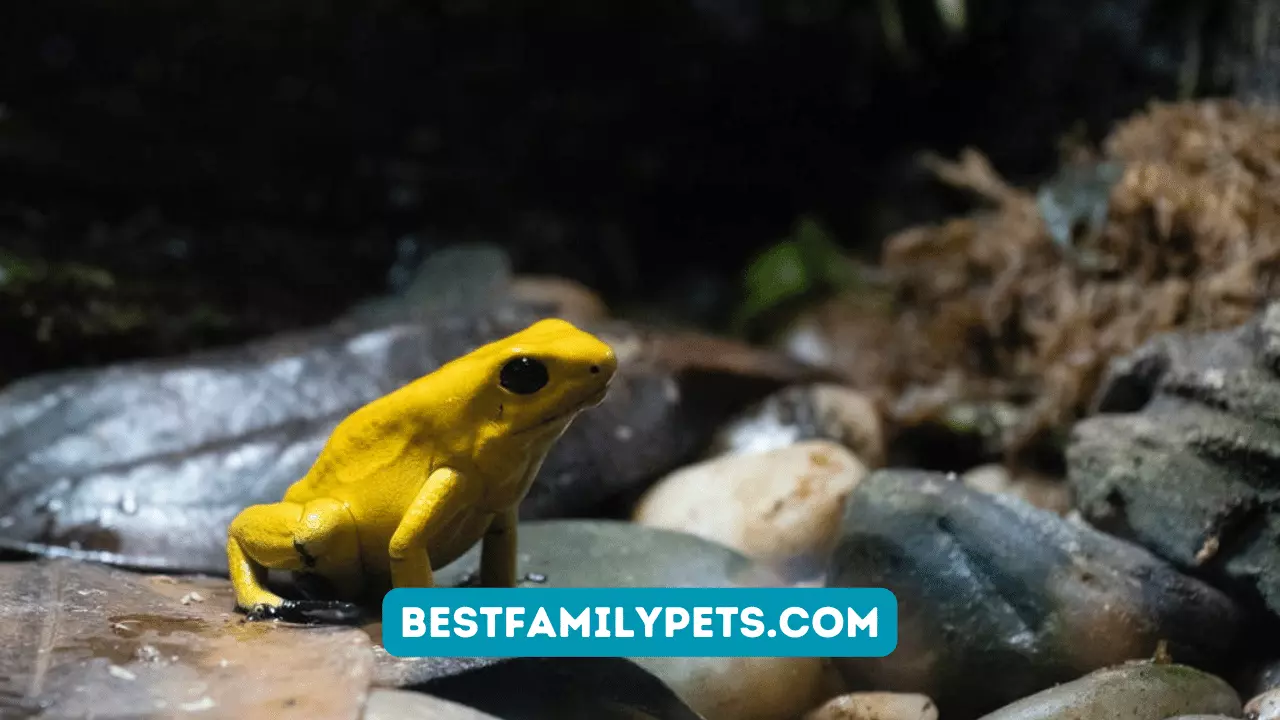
point(989, 308)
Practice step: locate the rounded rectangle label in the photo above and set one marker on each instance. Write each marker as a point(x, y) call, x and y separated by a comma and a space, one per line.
point(640, 622)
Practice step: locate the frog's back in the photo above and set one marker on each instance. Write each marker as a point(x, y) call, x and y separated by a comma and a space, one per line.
point(382, 449)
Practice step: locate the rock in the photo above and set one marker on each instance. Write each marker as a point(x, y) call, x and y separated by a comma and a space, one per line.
point(1264, 707)
point(807, 412)
point(1182, 452)
point(742, 688)
point(451, 280)
point(145, 464)
point(1042, 492)
point(83, 640)
point(588, 553)
point(877, 706)
point(384, 704)
point(563, 298)
point(989, 584)
point(1140, 691)
point(781, 506)
point(614, 553)
point(535, 688)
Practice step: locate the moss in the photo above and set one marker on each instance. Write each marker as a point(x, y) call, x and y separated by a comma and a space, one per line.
point(992, 307)
point(69, 314)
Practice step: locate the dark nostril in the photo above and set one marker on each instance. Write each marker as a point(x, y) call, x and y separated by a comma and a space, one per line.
point(595, 369)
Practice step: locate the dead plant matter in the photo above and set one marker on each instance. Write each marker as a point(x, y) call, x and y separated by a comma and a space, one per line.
point(997, 307)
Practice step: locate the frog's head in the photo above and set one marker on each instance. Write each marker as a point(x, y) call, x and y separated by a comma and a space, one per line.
point(532, 384)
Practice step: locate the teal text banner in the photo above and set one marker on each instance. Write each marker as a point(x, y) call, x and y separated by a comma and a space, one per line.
point(640, 622)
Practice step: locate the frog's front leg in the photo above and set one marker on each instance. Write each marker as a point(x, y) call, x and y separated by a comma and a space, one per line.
point(498, 553)
point(440, 499)
point(316, 537)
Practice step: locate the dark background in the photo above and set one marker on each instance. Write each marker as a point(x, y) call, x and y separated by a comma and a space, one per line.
point(182, 174)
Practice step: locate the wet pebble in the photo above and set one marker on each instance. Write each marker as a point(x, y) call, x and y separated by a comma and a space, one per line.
point(877, 706)
point(1043, 492)
point(989, 586)
point(592, 553)
point(819, 411)
point(781, 507)
point(1138, 691)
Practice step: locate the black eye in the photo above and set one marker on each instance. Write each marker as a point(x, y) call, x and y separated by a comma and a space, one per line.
point(524, 376)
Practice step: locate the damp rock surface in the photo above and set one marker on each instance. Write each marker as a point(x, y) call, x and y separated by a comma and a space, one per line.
point(1139, 691)
point(1183, 454)
point(84, 640)
point(989, 582)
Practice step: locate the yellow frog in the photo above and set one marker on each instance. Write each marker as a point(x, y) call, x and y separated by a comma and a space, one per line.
point(414, 479)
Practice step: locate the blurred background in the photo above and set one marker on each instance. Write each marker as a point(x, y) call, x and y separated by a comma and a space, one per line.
point(183, 175)
point(180, 174)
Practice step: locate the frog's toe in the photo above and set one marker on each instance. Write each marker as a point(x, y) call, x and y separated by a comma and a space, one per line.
point(308, 612)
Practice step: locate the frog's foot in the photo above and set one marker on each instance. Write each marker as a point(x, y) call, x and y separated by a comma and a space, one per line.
point(307, 612)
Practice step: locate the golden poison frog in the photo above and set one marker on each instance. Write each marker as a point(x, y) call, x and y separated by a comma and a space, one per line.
point(414, 479)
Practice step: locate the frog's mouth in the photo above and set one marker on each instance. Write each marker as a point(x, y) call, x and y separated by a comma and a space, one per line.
point(591, 400)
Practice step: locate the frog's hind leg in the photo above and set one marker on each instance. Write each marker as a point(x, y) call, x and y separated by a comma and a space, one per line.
point(315, 537)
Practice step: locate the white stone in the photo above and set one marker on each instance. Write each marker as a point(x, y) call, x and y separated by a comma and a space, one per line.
point(877, 706)
point(782, 507)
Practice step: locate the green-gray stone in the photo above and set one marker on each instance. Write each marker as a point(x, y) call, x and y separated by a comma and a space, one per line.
point(1141, 691)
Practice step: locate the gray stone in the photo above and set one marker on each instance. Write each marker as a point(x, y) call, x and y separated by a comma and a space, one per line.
point(1183, 455)
point(990, 587)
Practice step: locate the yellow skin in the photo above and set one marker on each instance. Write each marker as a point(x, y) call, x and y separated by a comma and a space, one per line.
point(414, 479)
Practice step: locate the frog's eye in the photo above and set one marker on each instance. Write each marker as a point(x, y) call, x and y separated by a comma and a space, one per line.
point(524, 376)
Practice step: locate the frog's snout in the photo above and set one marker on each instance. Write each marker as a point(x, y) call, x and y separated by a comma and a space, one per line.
point(606, 366)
